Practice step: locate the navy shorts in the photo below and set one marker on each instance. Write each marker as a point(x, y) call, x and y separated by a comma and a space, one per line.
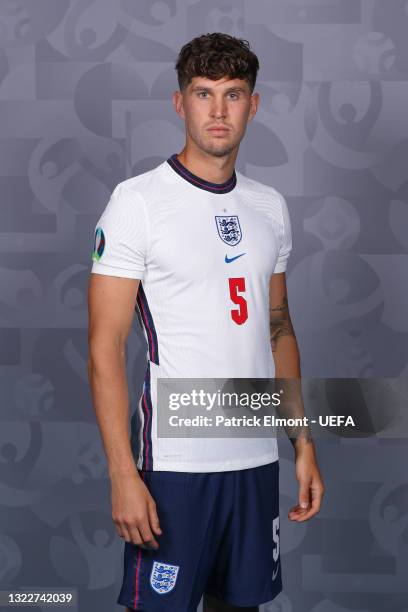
point(220, 535)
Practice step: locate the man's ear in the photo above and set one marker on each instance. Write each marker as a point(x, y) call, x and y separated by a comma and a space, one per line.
point(254, 103)
point(178, 103)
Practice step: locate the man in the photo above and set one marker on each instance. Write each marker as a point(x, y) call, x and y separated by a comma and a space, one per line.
point(201, 250)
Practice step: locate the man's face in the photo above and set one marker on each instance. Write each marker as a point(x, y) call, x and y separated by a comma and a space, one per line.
point(206, 104)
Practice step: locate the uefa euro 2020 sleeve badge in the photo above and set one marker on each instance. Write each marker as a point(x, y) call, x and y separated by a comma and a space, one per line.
point(99, 244)
point(163, 577)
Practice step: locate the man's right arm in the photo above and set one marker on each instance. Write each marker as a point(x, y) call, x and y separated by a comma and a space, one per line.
point(111, 304)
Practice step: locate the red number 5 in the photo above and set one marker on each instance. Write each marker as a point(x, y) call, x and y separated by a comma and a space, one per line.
point(235, 285)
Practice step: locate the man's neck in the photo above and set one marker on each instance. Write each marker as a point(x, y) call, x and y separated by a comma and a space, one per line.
point(212, 169)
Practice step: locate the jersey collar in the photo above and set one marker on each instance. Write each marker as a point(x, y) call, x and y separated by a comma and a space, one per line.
point(199, 182)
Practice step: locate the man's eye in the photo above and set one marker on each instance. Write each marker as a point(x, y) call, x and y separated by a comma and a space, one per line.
point(200, 93)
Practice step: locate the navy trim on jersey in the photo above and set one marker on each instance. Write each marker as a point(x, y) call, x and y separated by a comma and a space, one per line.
point(178, 167)
point(147, 459)
point(147, 319)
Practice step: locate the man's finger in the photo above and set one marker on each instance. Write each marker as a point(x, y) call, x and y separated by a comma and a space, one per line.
point(134, 536)
point(122, 530)
point(304, 494)
point(315, 507)
point(296, 513)
point(297, 509)
point(154, 519)
point(147, 535)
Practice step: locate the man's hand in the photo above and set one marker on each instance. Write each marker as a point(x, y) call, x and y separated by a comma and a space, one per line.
point(134, 510)
point(311, 486)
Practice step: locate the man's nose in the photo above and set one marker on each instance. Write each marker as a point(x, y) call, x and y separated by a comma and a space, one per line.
point(218, 108)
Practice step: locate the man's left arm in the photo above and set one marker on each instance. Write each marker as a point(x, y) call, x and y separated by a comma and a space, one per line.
point(286, 356)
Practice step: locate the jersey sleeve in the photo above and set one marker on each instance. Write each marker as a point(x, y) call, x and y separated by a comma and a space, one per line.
point(285, 238)
point(120, 240)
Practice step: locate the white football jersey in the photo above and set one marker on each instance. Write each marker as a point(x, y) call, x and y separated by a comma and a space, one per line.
point(204, 253)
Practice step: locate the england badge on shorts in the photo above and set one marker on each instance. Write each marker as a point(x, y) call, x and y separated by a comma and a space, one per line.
point(163, 577)
point(229, 229)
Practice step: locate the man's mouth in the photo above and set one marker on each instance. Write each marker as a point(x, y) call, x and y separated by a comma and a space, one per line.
point(218, 130)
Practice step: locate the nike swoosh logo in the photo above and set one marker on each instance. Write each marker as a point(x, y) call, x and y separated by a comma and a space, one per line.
point(274, 574)
point(229, 259)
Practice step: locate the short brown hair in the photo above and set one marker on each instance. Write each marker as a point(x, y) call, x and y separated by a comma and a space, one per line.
point(214, 56)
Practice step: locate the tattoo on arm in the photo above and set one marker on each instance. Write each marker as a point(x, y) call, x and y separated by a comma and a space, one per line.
point(280, 323)
point(292, 405)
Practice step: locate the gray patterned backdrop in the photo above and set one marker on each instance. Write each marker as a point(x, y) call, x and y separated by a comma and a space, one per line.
point(85, 103)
